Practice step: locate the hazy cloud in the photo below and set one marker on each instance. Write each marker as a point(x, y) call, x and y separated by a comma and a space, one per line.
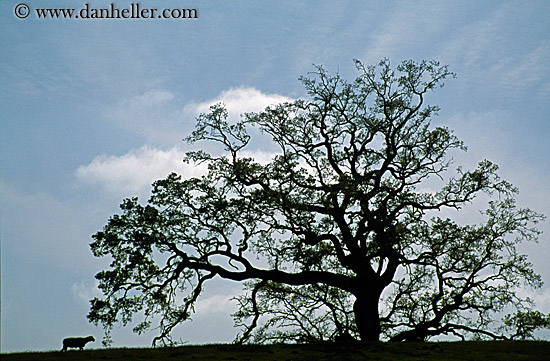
point(158, 116)
point(45, 230)
point(84, 291)
point(531, 70)
point(154, 115)
point(491, 55)
point(405, 28)
point(216, 303)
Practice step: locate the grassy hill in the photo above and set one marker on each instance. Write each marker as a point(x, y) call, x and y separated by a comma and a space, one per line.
point(520, 351)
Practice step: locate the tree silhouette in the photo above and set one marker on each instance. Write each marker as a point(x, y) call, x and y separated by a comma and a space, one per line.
point(338, 235)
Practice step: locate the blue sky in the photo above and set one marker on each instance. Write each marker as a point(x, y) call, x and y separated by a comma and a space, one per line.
point(93, 111)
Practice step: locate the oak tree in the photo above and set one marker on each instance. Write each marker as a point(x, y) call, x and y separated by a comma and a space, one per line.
point(345, 233)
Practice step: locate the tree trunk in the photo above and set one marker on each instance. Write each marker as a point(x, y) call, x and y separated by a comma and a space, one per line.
point(367, 318)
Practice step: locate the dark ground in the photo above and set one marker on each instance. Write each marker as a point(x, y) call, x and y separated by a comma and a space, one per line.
point(502, 350)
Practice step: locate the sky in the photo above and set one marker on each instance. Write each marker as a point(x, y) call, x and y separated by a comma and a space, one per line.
point(94, 110)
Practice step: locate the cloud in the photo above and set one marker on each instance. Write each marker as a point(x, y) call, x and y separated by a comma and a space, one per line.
point(43, 230)
point(156, 117)
point(134, 172)
point(490, 53)
point(153, 115)
point(527, 71)
point(542, 299)
point(404, 29)
point(477, 41)
point(497, 136)
point(159, 117)
point(221, 303)
point(152, 98)
point(84, 291)
point(239, 101)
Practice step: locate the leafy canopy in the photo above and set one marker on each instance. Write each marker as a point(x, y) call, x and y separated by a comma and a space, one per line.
point(339, 236)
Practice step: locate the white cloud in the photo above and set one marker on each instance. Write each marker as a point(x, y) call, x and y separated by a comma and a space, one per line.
point(154, 115)
point(134, 172)
point(259, 156)
point(239, 101)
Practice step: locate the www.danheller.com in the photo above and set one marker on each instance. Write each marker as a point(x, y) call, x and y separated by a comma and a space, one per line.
point(133, 11)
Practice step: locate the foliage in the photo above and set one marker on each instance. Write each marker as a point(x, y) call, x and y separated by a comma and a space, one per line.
point(525, 323)
point(339, 235)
